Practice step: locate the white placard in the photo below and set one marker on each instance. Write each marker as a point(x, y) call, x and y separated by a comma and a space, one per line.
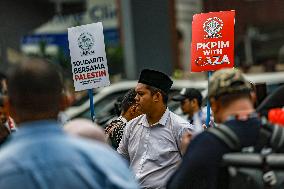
point(88, 56)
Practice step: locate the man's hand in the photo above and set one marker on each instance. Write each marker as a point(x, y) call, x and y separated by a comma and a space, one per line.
point(185, 140)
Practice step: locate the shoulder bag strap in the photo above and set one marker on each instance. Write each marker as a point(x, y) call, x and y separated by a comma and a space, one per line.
point(277, 138)
point(227, 135)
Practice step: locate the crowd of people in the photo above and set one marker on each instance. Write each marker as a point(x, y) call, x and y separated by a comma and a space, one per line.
point(147, 146)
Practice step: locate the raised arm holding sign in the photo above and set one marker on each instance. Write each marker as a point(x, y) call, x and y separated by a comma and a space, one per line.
point(212, 45)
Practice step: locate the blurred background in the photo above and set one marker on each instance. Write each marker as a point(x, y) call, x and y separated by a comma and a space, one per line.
point(140, 34)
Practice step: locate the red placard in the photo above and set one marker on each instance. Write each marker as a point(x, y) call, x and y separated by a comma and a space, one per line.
point(212, 46)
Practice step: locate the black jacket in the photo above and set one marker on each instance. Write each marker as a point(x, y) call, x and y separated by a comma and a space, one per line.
point(201, 163)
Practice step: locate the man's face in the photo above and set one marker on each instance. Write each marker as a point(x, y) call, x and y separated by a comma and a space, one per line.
point(186, 107)
point(143, 98)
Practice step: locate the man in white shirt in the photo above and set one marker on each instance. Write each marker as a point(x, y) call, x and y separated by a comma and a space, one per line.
point(152, 142)
point(190, 102)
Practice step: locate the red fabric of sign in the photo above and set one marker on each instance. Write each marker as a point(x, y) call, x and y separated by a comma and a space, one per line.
point(276, 116)
point(212, 46)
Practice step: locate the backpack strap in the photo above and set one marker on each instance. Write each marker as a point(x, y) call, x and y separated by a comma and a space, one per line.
point(264, 136)
point(227, 135)
point(270, 136)
point(277, 138)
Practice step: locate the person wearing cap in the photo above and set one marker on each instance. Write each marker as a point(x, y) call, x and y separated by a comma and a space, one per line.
point(232, 106)
point(152, 142)
point(190, 102)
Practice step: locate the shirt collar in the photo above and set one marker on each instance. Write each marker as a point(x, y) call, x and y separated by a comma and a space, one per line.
point(164, 118)
point(36, 127)
point(162, 121)
point(198, 113)
point(122, 119)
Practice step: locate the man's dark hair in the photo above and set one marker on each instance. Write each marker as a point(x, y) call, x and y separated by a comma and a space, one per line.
point(154, 90)
point(195, 94)
point(128, 100)
point(35, 88)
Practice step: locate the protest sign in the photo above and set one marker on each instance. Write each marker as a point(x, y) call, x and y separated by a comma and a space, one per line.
point(212, 46)
point(88, 57)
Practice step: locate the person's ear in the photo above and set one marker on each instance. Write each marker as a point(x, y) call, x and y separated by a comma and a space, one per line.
point(157, 97)
point(214, 105)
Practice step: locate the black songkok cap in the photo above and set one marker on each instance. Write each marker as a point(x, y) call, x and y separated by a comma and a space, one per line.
point(156, 79)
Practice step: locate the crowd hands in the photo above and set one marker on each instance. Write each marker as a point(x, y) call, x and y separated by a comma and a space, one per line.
point(147, 146)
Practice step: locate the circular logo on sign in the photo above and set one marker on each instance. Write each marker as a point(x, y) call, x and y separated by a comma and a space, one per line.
point(212, 26)
point(85, 41)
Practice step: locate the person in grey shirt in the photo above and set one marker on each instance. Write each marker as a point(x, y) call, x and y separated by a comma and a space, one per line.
point(153, 142)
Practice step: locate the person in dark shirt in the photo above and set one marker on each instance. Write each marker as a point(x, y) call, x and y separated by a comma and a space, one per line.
point(129, 110)
point(231, 103)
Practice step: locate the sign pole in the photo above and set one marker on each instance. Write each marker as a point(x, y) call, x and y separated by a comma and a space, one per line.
point(212, 46)
point(90, 92)
point(208, 101)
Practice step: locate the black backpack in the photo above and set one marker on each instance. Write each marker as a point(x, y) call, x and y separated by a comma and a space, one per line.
point(257, 167)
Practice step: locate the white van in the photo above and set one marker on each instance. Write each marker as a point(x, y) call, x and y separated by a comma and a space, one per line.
point(104, 98)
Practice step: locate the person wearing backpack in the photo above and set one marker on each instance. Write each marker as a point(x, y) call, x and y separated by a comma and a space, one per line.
point(232, 106)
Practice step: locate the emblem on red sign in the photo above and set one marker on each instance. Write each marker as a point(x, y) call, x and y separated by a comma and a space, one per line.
point(212, 46)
